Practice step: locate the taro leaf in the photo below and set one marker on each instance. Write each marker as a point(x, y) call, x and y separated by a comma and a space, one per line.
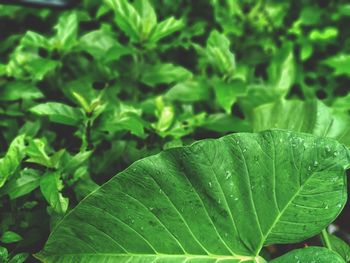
point(302, 116)
point(309, 255)
point(12, 159)
point(216, 200)
point(59, 112)
point(339, 246)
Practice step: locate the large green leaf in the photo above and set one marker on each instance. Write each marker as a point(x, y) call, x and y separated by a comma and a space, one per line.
point(216, 200)
point(302, 116)
point(310, 255)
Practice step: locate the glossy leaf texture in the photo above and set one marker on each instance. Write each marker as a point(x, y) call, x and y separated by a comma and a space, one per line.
point(214, 201)
point(302, 116)
point(308, 255)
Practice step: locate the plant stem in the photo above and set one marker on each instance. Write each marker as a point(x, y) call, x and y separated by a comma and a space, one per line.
point(325, 239)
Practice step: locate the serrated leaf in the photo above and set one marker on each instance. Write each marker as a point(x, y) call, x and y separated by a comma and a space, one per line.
point(59, 112)
point(215, 200)
point(12, 159)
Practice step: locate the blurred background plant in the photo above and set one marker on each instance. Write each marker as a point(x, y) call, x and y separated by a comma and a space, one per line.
point(86, 92)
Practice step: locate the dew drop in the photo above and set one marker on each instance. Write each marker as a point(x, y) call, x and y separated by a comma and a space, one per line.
point(328, 149)
point(335, 153)
point(236, 199)
point(210, 185)
point(227, 175)
point(309, 168)
point(315, 163)
point(244, 150)
point(160, 191)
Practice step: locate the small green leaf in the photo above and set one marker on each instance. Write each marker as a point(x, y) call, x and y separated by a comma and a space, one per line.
point(219, 54)
point(308, 255)
point(165, 28)
point(148, 18)
point(3, 254)
point(51, 186)
point(19, 258)
point(12, 159)
point(20, 90)
point(127, 18)
point(164, 73)
point(189, 91)
point(27, 181)
point(37, 154)
point(102, 44)
point(59, 112)
point(340, 63)
point(33, 39)
point(10, 237)
point(66, 32)
point(281, 72)
point(226, 93)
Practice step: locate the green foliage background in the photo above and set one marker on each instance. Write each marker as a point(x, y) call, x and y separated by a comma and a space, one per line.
point(86, 92)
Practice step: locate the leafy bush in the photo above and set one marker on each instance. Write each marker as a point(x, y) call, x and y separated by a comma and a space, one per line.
point(84, 93)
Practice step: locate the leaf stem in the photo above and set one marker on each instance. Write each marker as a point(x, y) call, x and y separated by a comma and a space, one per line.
point(325, 239)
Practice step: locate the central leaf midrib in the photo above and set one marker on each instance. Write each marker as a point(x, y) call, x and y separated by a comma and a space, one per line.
point(281, 213)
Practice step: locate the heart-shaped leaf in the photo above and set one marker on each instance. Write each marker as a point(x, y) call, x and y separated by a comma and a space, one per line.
point(216, 200)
